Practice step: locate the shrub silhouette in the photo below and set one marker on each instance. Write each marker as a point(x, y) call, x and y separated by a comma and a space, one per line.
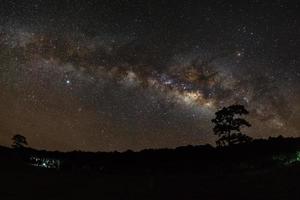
point(228, 125)
point(19, 141)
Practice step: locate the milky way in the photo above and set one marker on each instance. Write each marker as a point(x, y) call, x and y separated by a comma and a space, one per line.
point(115, 77)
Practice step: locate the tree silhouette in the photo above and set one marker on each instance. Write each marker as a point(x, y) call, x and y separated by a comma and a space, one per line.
point(19, 141)
point(228, 125)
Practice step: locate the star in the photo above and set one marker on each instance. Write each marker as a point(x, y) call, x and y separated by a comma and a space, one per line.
point(68, 82)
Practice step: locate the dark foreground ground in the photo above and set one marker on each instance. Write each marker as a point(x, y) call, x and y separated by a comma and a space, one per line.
point(277, 183)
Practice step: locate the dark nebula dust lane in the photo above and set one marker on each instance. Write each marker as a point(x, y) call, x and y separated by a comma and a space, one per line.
point(105, 76)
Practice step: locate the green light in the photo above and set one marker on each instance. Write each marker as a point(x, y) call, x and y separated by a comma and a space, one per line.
point(288, 158)
point(298, 156)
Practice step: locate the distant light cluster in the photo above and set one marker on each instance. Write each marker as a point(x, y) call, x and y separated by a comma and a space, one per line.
point(45, 162)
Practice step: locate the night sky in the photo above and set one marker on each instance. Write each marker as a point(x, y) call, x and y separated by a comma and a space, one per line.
point(117, 75)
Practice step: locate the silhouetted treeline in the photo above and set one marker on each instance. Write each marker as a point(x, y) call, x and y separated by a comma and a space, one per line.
point(259, 153)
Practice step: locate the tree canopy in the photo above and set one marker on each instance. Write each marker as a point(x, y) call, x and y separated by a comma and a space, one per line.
point(19, 141)
point(228, 125)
